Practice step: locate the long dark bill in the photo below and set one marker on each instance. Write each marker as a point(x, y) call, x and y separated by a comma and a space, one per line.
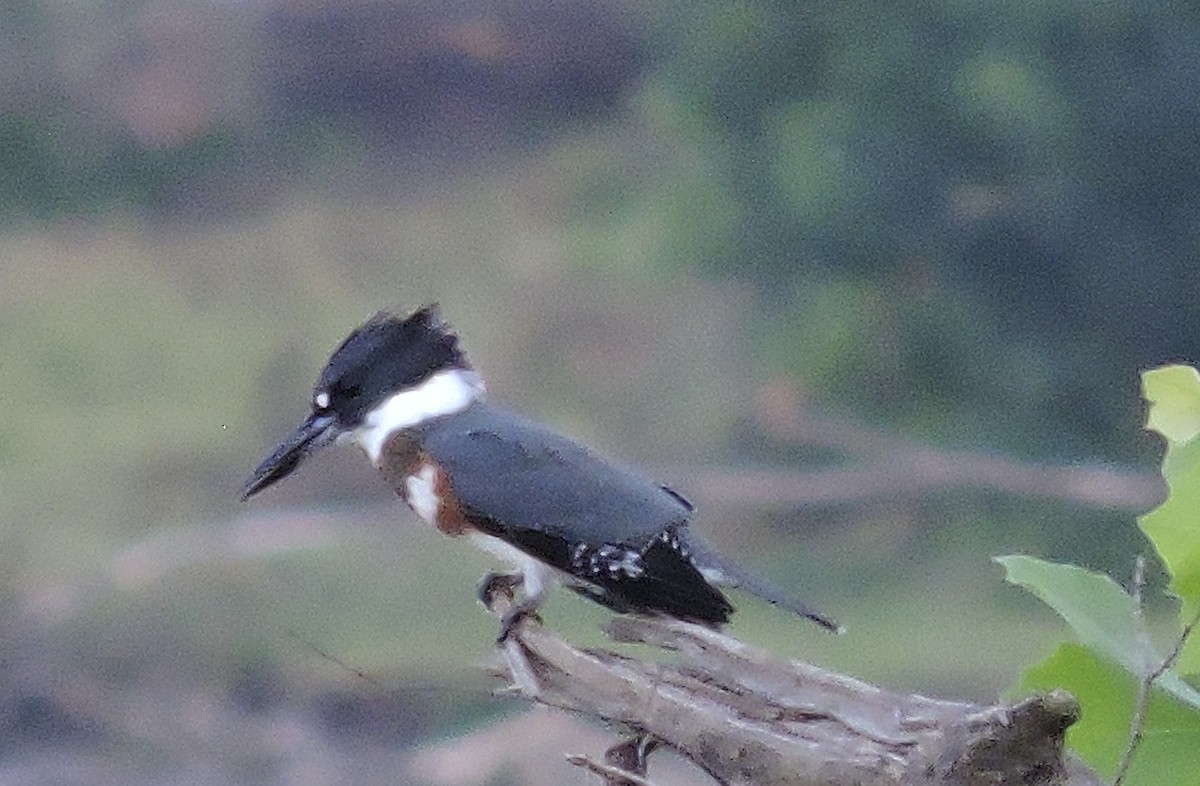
point(315, 432)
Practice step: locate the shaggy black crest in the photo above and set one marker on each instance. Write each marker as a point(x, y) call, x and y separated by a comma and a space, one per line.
point(387, 353)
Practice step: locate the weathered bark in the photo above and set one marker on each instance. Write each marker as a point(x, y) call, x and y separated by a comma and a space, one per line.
point(747, 717)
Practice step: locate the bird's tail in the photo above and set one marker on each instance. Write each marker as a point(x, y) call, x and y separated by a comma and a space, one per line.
point(724, 572)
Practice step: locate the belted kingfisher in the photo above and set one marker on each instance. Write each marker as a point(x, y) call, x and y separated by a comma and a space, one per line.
point(556, 511)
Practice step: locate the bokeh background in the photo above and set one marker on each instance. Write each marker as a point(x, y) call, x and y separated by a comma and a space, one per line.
point(871, 284)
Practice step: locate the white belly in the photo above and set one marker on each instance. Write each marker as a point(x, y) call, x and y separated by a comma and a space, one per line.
point(539, 577)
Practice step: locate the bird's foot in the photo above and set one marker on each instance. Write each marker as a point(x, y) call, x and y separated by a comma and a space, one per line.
point(631, 754)
point(496, 585)
point(493, 584)
point(513, 617)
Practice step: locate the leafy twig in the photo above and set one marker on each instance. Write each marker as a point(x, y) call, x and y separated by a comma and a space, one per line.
point(1137, 724)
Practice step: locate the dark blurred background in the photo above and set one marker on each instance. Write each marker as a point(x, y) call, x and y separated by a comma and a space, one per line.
point(871, 284)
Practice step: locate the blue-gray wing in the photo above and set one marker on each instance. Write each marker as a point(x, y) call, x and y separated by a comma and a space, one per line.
point(569, 507)
point(522, 475)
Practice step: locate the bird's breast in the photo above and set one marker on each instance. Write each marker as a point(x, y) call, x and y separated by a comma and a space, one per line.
point(424, 485)
point(429, 493)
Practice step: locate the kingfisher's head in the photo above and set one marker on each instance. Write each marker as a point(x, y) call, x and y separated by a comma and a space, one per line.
point(390, 374)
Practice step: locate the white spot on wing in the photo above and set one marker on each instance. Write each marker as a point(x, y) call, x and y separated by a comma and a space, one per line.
point(616, 560)
point(444, 393)
point(420, 495)
point(631, 564)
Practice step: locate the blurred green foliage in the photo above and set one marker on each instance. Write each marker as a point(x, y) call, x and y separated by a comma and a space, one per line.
point(1005, 187)
point(1005, 178)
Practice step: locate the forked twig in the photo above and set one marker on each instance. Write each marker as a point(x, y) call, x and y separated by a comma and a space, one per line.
point(1137, 723)
point(613, 775)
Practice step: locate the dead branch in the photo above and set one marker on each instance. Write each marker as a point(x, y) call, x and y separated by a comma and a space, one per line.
point(748, 718)
point(923, 474)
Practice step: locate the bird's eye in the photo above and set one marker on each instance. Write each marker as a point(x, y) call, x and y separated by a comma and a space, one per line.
point(321, 400)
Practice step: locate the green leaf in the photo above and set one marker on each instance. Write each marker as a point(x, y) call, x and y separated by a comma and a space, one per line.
point(1169, 753)
point(1174, 396)
point(1103, 616)
point(1174, 527)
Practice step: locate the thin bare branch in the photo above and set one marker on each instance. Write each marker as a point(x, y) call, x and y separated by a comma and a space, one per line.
point(1138, 588)
point(1137, 723)
point(922, 473)
point(889, 466)
point(1177, 650)
point(614, 776)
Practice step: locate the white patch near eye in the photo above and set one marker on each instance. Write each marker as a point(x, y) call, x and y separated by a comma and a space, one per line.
point(443, 393)
point(321, 400)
